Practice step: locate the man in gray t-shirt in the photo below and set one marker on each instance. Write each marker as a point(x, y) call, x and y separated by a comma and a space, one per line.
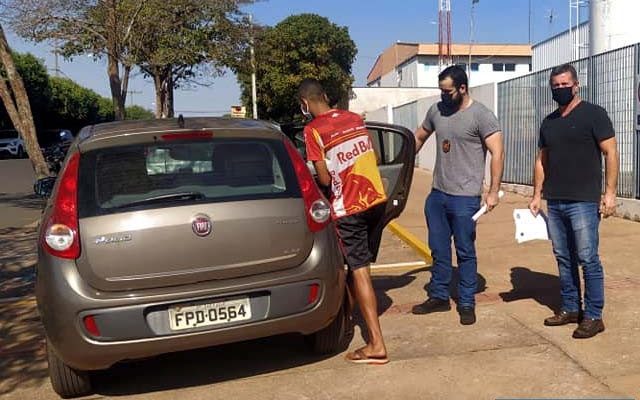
point(464, 130)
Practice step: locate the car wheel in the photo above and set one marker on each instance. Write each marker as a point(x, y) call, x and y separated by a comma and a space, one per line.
point(335, 337)
point(66, 381)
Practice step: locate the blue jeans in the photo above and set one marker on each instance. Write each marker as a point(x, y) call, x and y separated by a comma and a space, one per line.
point(448, 216)
point(573, 228)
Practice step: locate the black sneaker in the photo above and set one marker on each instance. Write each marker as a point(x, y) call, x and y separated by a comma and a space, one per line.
point(431, 306)
point(467, 315)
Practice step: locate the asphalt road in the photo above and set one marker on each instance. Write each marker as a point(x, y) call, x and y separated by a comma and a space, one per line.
point(18, 204)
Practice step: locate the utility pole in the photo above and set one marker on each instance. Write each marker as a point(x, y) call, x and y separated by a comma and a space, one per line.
point(530, 26)
point(56, 65)
point(253, 72)
point(444, 33)
point(471, 32)
point(574, 12)
point(131, 93)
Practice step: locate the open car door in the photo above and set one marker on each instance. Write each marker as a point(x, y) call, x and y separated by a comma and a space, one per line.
point(394, 146)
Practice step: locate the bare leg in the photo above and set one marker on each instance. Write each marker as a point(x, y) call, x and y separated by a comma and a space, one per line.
point(362, 290)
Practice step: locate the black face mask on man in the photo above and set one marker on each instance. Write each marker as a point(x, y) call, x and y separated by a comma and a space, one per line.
point(449, 101)
point(563, 96)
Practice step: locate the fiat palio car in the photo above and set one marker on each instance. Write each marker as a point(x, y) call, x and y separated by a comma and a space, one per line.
point(168, 235)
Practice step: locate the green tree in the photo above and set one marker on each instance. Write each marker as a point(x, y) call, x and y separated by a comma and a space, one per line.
point(36, 82)
point(16, 102)
point(301, 46)
point(186, 42)
point(106, 112)
point(137, 112)
point(99, 27)
point(73, 106)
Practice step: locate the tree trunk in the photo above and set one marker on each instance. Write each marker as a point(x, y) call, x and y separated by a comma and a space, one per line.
point(113, 69)
point(168, 104)
point(163, 82)
point(20, 110)
point(160, 95)
point(125, 87)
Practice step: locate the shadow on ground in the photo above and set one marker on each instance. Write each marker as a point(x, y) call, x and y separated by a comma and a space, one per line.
point(205, 366)
point(17, 261)
point(539, 286)
point(22, 200)
point(22, 355)
point(22, 352)
point(384, 283)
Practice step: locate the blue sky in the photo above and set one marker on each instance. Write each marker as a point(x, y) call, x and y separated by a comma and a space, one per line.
point(373, 24)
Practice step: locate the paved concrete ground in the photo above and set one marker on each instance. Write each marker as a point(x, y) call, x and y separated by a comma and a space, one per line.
point(507, 354)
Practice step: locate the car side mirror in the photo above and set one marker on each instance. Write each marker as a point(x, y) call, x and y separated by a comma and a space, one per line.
point(44, 187)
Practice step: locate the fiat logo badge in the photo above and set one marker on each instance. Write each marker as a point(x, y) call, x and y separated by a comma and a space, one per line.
point(201, 225)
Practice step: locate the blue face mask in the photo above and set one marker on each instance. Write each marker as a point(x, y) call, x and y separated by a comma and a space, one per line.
point(305, 112)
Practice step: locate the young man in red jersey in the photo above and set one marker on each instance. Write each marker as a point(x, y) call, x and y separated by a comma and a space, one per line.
point(339, 145)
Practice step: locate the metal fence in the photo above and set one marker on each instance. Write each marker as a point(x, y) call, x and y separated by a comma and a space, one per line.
point(608, 79)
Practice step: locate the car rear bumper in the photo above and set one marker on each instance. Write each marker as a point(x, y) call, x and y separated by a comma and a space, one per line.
point(135, 325)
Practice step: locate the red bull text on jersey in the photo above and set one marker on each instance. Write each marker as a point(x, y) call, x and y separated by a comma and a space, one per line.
point(341, 139)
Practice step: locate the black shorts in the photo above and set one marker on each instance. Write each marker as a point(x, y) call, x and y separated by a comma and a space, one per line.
point(359, 234)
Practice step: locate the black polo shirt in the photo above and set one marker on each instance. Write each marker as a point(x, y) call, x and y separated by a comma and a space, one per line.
point(574, 163)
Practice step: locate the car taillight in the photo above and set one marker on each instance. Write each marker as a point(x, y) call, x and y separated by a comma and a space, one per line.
point(90, 325)
point(314, 291)
point(191, 135)
point(60, 234)
point(317, 207)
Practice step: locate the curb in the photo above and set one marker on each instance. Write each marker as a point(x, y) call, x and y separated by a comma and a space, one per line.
point(412, 240)
point(382, 270)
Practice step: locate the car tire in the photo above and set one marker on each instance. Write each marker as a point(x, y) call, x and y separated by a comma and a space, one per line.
point(334, 338)
point(66, 381)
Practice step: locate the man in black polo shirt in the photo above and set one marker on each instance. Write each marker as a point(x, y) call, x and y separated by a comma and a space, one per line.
point(568, 173)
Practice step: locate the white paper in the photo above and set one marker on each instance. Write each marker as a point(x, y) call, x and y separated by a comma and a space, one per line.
point(483, 209)
point(529, 227)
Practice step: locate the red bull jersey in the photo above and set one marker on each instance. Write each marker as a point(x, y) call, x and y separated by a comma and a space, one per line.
point(341, 139)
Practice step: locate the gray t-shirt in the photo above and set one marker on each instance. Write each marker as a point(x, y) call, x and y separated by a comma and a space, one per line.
point(461, 152)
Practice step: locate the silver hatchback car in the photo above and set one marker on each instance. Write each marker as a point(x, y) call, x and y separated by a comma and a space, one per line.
point(168, 235)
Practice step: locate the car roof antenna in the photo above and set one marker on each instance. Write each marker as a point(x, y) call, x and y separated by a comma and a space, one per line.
point(181, 121)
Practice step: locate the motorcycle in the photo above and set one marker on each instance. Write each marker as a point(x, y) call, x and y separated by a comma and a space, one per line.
point(54, 156)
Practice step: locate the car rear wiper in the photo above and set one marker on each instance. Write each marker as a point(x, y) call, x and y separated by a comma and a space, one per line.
point(182, 196)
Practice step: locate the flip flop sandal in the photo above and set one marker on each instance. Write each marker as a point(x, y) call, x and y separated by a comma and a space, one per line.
point(358, 357)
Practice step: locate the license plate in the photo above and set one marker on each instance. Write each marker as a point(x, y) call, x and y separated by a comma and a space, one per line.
point(197, 316)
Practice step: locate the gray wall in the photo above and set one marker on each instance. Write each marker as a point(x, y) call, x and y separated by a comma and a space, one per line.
point(380, 115)
point(364, 100)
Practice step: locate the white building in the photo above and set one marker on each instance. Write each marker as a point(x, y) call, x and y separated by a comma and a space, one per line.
point(365, 99)
point(561, 48)
point(416, 64)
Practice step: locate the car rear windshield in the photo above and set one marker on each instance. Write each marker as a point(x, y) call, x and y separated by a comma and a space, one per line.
point(119, 179)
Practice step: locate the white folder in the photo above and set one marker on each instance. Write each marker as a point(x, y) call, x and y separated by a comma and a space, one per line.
point(529, 227)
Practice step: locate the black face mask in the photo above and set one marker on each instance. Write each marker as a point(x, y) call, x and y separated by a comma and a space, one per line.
point(449, 101)
point(563, 96)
